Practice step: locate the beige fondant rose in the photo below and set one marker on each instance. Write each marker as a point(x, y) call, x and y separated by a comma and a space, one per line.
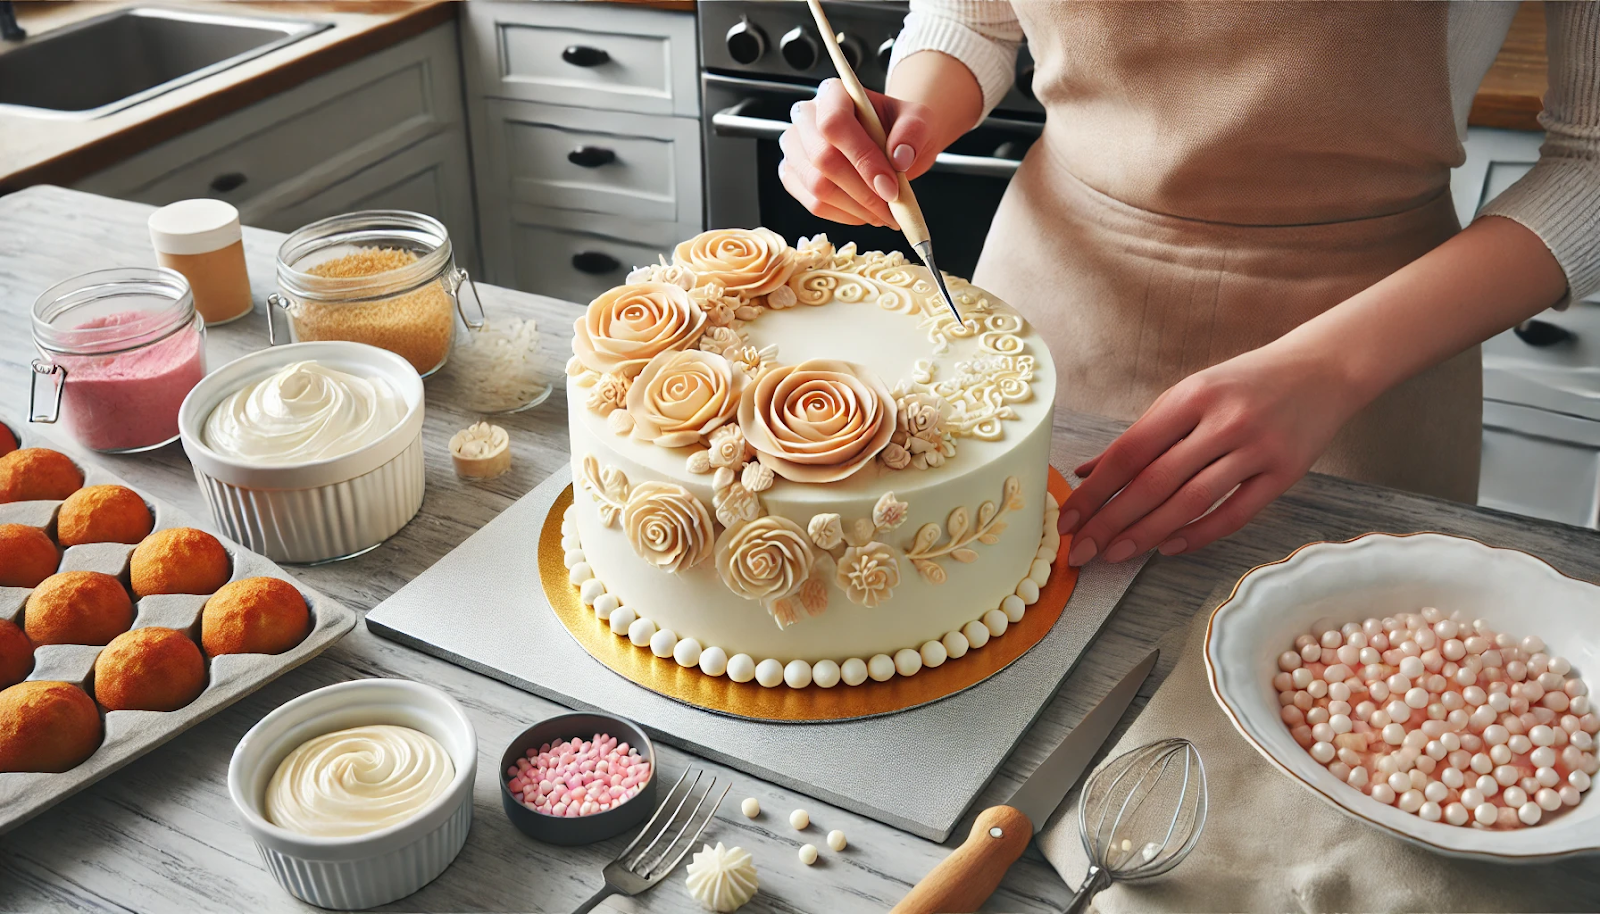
point(765, 559)
point(667, 526)
point(818, 421)
point(609, 393)
point(868, 574)
point(683, 395)
point(627, 326)
point(745, 262)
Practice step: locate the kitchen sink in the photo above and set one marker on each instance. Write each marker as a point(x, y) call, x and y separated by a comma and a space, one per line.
point(111, 62)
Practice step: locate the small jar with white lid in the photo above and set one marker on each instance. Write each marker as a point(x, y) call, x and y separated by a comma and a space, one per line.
point(202, 240)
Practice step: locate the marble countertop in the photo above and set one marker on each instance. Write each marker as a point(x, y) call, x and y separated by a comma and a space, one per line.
point(161, 835)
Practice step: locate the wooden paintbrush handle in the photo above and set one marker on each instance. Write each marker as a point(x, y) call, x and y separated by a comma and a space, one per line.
point(966, 878)
point(905, 208)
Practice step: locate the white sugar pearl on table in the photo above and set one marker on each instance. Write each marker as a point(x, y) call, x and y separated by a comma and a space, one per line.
point(751, 807)
point(808, 854)
point(800, 820)
point(836, 840)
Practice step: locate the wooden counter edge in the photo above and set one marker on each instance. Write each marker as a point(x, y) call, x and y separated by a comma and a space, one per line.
point(112, 148)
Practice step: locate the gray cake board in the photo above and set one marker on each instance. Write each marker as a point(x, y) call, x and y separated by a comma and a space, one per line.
point(483, 607)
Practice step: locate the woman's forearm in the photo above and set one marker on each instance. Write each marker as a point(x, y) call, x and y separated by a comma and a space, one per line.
point(1492, 276)
point(951, 93)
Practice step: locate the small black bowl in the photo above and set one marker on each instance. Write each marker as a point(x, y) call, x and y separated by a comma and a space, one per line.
point(579, 829)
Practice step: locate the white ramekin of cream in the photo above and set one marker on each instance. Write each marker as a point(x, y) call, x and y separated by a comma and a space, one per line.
point(308, 452)
point(360, 793)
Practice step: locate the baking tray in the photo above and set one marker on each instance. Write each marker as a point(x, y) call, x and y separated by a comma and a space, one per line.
point(482, 606)
point(131, 734)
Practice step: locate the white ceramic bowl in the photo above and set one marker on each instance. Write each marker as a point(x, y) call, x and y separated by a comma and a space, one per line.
point(321, 510)
point(372, 869)
point(1380, 575)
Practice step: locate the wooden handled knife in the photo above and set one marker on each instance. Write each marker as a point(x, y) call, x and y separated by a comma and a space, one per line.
point(970, 874)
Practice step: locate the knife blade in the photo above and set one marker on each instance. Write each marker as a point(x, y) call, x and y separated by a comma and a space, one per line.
point(966, 878)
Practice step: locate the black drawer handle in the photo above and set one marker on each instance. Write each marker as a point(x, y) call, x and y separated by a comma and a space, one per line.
point(595, 263)
point(581, 55)
point(591, 156)
point(1543, 333)
point(231, 181)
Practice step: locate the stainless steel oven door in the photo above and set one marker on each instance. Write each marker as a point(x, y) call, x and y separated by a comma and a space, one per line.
point(743, 120)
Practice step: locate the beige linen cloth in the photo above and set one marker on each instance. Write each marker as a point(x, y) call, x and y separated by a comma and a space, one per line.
point(1271, 845)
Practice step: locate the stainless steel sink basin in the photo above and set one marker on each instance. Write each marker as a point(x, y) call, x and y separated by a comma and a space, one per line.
point(111, 62)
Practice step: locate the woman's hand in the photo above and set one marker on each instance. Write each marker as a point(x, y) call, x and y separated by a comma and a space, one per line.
point(835, 170)
point(1240, 432)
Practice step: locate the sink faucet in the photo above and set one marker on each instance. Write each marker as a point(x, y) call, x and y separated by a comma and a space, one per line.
point(9, 30)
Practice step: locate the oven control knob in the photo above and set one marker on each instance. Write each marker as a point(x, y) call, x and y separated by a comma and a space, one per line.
point(746, 43)
point(885, 51)
point(799, 49)
point(851, 49)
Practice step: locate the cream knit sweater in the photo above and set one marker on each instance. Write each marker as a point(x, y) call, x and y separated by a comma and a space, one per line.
point(1559, 200)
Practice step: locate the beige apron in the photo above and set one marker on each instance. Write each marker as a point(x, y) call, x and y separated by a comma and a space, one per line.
point(1212, 175)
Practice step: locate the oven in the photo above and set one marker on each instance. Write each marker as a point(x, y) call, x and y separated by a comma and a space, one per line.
point(759, 58)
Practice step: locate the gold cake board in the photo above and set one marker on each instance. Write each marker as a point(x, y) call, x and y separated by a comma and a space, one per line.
point(722, 695)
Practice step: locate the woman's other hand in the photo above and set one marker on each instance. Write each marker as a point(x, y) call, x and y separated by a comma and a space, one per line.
point(1240, 432)
point(832, 166)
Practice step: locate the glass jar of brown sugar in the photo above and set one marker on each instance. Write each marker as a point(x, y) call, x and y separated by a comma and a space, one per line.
point(387, 278)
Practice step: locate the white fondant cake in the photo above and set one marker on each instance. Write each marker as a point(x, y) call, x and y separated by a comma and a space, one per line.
point(793, 466)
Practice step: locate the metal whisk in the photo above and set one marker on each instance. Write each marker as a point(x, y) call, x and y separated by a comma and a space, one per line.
point(1140, 815)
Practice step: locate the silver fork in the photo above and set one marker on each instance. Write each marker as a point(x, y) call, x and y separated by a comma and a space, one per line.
point(629, 874)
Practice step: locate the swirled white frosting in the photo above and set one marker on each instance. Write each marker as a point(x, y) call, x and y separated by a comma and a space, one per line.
point(305, 411)
point(722, 878)
point(356, 781)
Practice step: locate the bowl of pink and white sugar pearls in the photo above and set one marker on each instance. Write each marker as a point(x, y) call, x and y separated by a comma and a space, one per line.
point(1428, 685)
point(578, 778)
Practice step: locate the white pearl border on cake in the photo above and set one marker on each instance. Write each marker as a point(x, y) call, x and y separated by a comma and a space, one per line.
point(797, 674)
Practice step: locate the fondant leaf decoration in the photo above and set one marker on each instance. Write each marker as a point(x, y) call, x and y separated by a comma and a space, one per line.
point(932, 572)
point(924, 547)
point(957, 523)
point(609, 488)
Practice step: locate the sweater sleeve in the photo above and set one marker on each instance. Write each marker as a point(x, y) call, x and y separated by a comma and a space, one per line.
point(982, 34)
point(1559, 199)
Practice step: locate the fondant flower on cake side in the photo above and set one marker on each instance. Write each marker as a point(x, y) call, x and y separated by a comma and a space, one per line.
point(766, 559)
point(667, 526)
point(609, 393)
point(818, 421)
point(745, 262)
point(868, 574)
point(623, 329)
point(682, 396)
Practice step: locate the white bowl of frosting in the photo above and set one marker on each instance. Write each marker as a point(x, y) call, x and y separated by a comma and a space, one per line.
point(308, 452)
point(359, 793)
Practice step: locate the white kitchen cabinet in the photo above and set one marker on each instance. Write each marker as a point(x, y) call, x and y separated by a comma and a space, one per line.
point(1541, 394)
point(383, 130)
point(585, 140)
point(592, 55)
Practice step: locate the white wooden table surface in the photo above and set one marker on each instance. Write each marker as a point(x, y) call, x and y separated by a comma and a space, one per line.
point(162, 836)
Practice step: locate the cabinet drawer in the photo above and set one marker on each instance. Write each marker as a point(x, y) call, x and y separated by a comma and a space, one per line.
point(276, 150)
point(585, 54)
point(574, 265)
point(643, 166)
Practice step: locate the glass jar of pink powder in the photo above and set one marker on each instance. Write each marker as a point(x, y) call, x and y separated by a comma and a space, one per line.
point(119, 349)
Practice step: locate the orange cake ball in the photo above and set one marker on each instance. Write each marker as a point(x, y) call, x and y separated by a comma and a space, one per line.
point(8, 440)
point(47, 726)
point(179, 560)
point(16, 655)
point(38, 474)
point(27, 556)
point(103, 514)
point(77, 607)
point(149, 669)
point(254, 616)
